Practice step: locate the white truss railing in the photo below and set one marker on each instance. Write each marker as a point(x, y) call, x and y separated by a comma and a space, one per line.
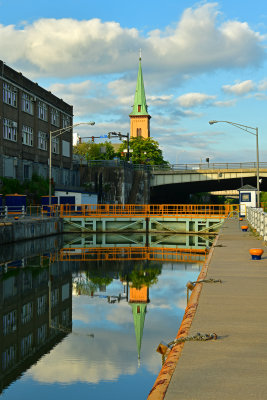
point(258, 220)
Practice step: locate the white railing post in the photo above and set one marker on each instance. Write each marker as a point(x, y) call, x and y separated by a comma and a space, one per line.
point(258, 220)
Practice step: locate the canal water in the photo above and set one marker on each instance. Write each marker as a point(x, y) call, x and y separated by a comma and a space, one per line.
point(84, 315)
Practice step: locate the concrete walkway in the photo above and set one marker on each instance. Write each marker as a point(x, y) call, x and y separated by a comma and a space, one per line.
point(234, 366)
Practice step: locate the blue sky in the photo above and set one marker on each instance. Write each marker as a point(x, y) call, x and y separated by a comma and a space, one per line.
point(201, 61)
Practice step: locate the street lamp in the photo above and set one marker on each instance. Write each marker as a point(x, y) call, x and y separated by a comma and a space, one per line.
point(51, 135)
point(246, 129)
point(120, 136)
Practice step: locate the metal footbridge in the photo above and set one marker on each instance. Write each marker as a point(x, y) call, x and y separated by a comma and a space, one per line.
point(184, 218)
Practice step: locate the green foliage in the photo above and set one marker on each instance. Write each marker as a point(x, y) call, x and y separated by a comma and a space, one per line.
point(263, 197)
point(92, 151)
point(145, 151)
point(98, 278)
point(10, 186)
point(144, 277)
point(34, 188)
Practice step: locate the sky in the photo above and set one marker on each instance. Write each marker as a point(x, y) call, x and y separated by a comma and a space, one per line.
point(201, 61)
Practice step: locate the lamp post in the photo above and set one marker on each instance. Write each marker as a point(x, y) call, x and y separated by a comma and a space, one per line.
point(51, 135)
point(246, 129)
point(120, 136)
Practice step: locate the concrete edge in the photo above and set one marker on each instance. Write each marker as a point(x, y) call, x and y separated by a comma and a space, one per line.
point(161, 384)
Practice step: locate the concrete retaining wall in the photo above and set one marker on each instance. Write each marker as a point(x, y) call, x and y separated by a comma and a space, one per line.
point(29, 228)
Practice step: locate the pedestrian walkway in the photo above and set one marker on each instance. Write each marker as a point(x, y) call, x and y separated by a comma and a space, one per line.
point(234, 366)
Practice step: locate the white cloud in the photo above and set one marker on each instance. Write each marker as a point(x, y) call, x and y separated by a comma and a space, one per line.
point(263, 85)
point(194, 99)
point(227, 103)
point(240, 88)
point(68, 47)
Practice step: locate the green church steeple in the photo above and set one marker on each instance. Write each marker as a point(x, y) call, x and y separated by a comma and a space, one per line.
point(139, 107)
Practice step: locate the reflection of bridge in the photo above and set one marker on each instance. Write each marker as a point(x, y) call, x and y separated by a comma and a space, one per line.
point(132, 253)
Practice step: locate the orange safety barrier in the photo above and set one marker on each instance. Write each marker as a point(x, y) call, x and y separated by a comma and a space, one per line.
point(144, 210)
point(132, 253)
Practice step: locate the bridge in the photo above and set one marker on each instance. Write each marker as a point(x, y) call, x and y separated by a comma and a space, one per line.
point(166, 183)
point(185, 218)
point(208, 172)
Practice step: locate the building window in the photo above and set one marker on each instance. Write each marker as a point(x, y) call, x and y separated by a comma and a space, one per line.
point(10, 287)
point(55, 145)
point(41, 304)
point(66, 317)
point(65, 148)
point(10, 94)
point(10, 322)
point(245, 197)
point(27, 103)
point(65, 121)
point(42, 140)
point(26, 345)
point(55, 117)
point(54, 297)
point(42, 277)
point(26, 171)
point(26, 275)
point(41, 334)
point(138, 132)
point(27, 135)
point(9, 357)
point(26, 313)
point(139, 108)
point(9, 130)
point(55, 322)
point(42, 110)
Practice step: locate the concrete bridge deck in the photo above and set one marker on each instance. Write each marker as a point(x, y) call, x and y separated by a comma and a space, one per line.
point(234, 366)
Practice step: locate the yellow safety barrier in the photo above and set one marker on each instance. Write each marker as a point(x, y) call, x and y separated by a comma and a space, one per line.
point(144, 210)
point(132, 253)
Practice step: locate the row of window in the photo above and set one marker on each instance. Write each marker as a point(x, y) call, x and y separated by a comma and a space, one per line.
point(9, 355)
point(10, 96)
point(10, 132)
point(10, 319)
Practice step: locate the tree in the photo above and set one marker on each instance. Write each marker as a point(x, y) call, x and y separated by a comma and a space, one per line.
point(33, 188)
point(144, 151)
point(94, 151)
point(141, 276)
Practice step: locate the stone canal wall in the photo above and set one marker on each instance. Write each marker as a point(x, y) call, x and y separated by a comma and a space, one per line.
point(29, 228)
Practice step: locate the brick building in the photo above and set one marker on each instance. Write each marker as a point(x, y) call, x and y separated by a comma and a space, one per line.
point(28, 113)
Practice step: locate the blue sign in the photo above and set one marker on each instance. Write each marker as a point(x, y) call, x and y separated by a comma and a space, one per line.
point(104, 136)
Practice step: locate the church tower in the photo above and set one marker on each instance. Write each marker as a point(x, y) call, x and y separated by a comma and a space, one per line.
point(140, 119)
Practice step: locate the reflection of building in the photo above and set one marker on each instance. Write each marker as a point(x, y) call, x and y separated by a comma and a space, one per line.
point(25, 335)
point(138, 301)
point(140, 119)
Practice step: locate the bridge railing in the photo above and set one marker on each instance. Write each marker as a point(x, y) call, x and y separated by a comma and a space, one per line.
point(201, 166)
point(132, 253)
point(174, 167)
point(258, 220)
point(143, 210)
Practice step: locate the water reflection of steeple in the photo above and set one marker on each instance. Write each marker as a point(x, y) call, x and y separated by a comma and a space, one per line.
point(138, 301)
